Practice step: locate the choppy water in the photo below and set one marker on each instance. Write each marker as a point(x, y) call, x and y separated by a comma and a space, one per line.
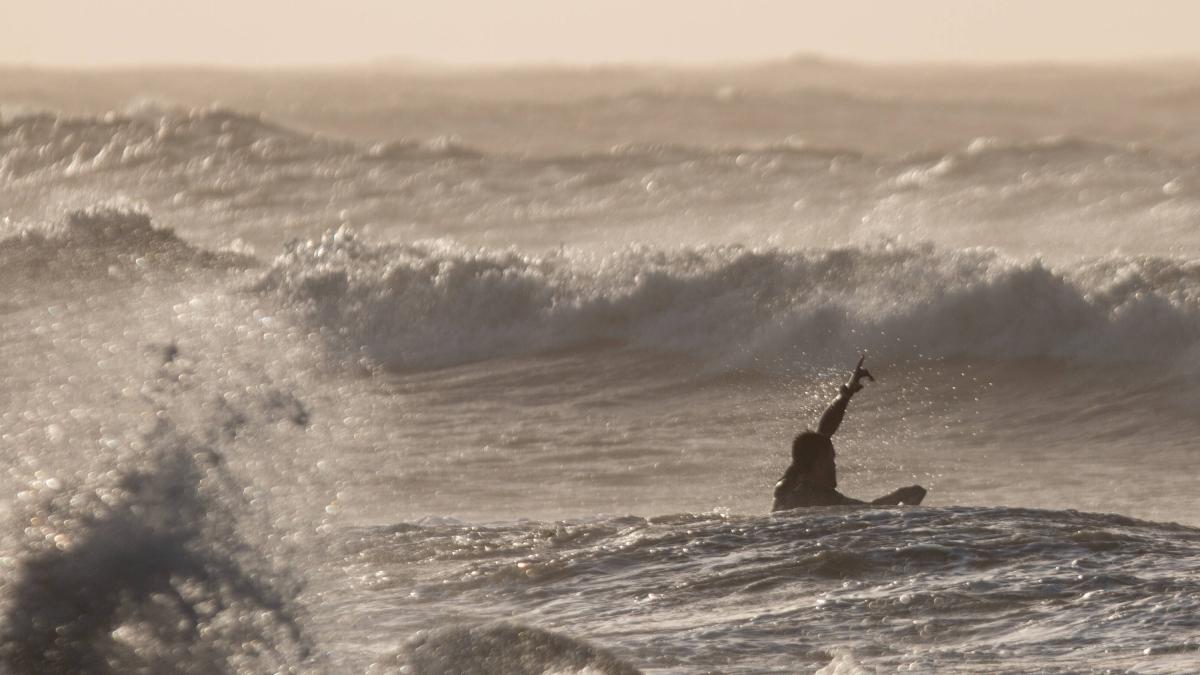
point(272, 400)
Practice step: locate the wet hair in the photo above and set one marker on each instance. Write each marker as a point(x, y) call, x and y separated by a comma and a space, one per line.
point(807, 447)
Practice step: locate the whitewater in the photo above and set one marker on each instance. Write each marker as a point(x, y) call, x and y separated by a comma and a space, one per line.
point(494, 373)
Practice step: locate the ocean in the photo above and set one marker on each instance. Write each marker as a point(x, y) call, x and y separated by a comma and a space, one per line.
point(493, 372)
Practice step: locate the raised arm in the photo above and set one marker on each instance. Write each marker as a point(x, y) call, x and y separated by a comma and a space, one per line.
point(831, 419)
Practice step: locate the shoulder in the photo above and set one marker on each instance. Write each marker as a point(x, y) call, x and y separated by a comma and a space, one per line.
point(804, 493)
point(790, 495)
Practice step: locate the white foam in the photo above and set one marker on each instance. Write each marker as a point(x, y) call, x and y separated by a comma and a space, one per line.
point(438, 303)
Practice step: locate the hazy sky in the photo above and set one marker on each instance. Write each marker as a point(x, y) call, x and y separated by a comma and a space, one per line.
point(274, 32)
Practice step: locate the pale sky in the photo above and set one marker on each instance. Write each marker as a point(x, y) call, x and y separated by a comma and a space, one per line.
point(463, 32)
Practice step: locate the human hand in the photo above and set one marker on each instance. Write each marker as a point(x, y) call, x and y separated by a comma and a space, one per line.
point(853, 384)
point(911, 495)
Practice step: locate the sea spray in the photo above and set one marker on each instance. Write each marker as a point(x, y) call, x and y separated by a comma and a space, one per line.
point(152, 560)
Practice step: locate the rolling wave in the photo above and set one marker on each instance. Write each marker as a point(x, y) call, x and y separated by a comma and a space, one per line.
point(214, 135)
point(1056, 194)
point(209, 138)
point(431, 304)
point(224, 171)
point(71, 146)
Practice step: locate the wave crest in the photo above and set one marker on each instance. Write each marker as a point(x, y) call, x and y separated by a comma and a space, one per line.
point(434, 304)
point(160, 136)
point(70, 146)
point(91, 240)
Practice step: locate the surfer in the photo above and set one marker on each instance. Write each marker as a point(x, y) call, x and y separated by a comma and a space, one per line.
point(812, 477)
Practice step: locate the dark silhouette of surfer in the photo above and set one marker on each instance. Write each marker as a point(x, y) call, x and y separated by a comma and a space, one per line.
point(811, 480)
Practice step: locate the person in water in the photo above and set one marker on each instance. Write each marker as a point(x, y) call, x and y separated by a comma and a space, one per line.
point(811, 480)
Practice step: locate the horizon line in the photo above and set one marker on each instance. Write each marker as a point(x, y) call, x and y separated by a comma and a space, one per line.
point(401, 62)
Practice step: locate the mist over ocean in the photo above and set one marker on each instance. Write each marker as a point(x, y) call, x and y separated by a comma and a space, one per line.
point(400, 371)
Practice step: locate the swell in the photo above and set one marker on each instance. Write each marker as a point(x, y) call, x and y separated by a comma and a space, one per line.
point(70, 146)
point(200, 139)
point(815, 543)
point(220, 171)
point(433, 304)
point(500, 647)
point(211, 137)
point(734, 589)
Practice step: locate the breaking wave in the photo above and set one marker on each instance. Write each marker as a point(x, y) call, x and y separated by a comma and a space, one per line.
point(100, 247)
point(431, 304)
point(70, 146)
